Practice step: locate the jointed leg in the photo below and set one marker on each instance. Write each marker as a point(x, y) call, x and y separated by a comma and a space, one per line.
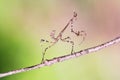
point(83, 34)
point(52, 35)
point(43, 54)
point(43, 40)
point(67, 39)
point(55, 41)
point(72, 50)
point(79, 33)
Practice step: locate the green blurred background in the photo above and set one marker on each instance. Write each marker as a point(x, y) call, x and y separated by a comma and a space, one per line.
point(24, 22)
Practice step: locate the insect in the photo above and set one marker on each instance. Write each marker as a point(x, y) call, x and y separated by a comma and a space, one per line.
point(60, 36)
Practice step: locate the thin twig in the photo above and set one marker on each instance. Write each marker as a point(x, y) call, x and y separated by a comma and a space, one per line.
point(62, 58)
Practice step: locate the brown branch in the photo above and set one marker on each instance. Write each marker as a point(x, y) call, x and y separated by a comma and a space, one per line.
point(62, 58)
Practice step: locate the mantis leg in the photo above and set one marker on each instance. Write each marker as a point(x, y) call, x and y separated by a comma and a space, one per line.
point(43, 53)
point(67, 39)
point(80, 33)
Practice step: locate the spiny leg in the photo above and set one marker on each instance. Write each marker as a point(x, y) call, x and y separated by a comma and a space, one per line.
point(77, 33)
point(80, 33)
point(43, 53)
point(72, 50)
point(46, 41)
point(83, 34)
point(52, 35)
point(67, 39)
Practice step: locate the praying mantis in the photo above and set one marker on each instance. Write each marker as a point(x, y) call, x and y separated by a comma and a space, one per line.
point(60, 36)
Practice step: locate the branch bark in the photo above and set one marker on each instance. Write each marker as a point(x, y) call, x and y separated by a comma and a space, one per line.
point(62, 58)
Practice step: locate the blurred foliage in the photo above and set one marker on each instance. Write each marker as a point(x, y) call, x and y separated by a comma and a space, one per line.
point(24, 22)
